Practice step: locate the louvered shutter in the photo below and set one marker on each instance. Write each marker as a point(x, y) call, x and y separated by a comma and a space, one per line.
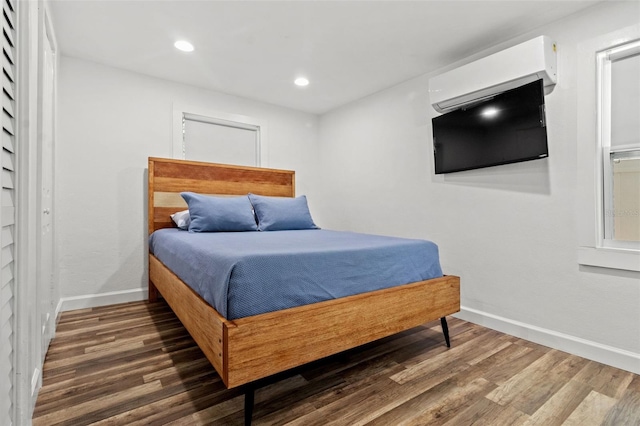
point(7, 213)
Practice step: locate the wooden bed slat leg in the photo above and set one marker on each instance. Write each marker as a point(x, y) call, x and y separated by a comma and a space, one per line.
point(248, 405)
point(153, 292)
point(445, 330)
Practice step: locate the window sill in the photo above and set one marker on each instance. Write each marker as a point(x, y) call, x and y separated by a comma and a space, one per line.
point(628, 260)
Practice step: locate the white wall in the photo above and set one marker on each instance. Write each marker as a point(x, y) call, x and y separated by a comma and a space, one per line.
point(110, 121)
point(509, 231)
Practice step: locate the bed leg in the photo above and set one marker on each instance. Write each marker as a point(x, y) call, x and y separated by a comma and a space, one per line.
point(248, 405)
point(445, 330)
point(153, 292)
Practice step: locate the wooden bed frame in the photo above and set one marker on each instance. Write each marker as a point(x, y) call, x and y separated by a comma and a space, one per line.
point(247, 349)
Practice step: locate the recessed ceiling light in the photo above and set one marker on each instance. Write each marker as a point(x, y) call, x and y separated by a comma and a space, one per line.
point(184, 45)
point(301, 81)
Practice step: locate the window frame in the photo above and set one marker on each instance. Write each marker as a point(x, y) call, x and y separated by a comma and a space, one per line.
point(594, 148)
point(604, 62)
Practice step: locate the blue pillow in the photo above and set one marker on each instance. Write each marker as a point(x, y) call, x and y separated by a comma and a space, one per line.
point(280, 214)
point(219, 214)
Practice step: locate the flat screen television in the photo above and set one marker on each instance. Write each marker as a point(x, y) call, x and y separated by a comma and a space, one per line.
point(507, 128)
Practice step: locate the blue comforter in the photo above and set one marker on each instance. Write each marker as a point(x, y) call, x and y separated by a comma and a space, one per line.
point(248, 273)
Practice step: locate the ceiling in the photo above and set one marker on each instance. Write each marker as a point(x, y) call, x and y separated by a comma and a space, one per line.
point(255, 49)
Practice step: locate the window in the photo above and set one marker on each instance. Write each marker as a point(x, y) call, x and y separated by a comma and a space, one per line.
point(619, 141)
point(218, 137)
point(220, 141)
point(608, 150)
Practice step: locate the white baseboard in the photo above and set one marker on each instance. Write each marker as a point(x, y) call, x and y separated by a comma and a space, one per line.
point(604, 354)
point(35, 380)
point(58, 310)
point(101, 299)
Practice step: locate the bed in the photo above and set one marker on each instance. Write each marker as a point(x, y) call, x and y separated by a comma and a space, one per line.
point(250, 348)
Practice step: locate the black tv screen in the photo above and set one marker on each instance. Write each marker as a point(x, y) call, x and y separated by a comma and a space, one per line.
point(506, 128)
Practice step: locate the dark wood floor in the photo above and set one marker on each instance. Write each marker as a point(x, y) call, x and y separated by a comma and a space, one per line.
point(134, 364)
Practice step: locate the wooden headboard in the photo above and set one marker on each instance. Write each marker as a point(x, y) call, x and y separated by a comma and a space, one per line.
point(169, 177)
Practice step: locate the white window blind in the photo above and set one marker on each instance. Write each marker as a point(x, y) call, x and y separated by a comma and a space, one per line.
point(625, 101)
point(7, 213)
point(218, 141)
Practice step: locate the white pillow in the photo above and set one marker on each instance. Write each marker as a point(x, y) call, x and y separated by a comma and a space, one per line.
point(182, 219)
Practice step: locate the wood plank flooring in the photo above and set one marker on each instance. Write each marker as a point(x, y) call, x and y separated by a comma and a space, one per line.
point(134, 364)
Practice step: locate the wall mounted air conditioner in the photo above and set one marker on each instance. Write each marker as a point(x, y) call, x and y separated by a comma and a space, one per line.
point(510, 68)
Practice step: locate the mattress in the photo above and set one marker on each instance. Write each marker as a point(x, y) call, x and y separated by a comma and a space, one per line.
point(242, 274)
